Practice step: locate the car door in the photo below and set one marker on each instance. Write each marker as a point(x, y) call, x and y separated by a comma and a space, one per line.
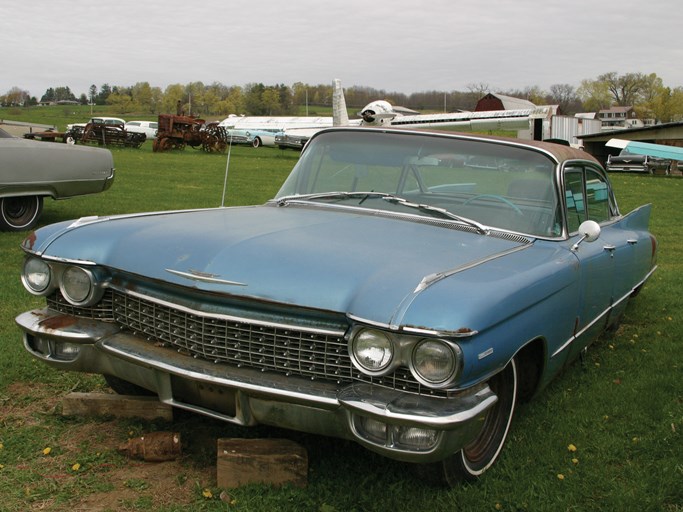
point(588, 197)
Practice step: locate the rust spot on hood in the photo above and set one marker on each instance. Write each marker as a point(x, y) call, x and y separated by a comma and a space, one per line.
point(29, 241)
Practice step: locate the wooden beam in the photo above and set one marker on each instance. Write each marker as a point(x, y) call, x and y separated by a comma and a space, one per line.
point(120, 406)
point(268, 461)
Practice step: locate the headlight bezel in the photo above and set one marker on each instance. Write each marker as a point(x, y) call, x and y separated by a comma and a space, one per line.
point(57, 273)
point(50, 285)
point(94, 292)
point(382, 336)
point(405, 348)
point(451, 350)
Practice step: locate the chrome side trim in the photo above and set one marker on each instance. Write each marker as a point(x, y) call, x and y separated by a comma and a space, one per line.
point(69, 261)
point(602, 315)
point(427, 281)
point(413, 330)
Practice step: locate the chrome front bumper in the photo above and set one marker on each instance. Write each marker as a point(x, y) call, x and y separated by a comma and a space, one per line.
point(396, 424)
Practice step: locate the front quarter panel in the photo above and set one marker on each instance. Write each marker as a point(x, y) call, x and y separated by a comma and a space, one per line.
point(496, 308)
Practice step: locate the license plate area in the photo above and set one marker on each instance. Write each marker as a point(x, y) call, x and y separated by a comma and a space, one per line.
point(203, 396)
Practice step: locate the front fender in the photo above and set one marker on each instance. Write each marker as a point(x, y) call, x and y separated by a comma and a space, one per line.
point(496, 308)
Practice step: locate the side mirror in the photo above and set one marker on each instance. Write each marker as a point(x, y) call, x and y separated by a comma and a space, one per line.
point(589, 231)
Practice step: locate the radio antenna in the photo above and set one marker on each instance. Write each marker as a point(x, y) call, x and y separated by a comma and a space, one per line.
point(227, 167)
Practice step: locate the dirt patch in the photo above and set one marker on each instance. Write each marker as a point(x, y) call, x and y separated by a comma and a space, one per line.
point(129, 483)
point(159, 484)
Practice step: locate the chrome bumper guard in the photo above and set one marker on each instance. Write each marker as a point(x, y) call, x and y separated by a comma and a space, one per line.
point(377, 418)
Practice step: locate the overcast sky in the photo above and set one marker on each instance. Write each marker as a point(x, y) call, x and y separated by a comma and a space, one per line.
point(395, 45)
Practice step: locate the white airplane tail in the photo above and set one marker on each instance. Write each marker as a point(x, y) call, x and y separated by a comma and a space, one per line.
point(340, 116)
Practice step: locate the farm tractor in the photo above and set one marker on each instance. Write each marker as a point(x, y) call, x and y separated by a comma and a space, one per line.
point(179, 131)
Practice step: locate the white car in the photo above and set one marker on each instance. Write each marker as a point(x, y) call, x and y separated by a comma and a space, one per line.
point(255, 138)
point(149, 128)
point(98, 120)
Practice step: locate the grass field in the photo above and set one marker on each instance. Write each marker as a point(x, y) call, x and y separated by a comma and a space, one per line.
point(606, 435)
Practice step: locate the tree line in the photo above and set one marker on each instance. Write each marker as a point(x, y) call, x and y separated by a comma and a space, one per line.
point(646, 93)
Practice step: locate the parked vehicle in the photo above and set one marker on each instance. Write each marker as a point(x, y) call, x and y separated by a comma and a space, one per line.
point(254, 138)
point(31, 170)
point(105, 131)
point(294, 138)
point(111, 121)
point(178, 132)
point(631, 162)
point(149, 128)
point(390, 294)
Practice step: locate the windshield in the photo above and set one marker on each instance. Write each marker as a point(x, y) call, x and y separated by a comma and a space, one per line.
point(483, 182)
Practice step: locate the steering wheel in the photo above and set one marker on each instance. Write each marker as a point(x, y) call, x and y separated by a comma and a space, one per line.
point(497, 198)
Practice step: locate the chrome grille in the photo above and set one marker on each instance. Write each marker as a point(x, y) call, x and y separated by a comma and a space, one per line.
point(238, 342)
point(103, 310)
point(242, 343)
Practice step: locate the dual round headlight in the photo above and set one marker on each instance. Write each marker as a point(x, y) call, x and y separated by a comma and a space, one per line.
point(78, 285)
point(433, 362)
point(37, 276)
point(372, 350)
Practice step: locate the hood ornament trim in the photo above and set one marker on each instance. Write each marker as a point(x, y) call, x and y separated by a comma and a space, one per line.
point(204, 277)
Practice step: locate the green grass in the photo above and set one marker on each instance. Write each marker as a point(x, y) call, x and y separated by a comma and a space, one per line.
point(61, 115)
point(622, 408)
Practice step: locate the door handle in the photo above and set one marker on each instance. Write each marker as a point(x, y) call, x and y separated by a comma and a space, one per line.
point(631, 241)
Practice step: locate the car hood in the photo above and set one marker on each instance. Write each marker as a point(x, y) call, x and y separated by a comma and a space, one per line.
point(361, 264)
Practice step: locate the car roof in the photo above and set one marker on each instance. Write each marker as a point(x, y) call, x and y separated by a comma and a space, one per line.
point(560, 152)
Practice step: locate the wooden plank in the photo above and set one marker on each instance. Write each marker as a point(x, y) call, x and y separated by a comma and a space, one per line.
point(120, 406)
point(153, 446)
point(268, 461)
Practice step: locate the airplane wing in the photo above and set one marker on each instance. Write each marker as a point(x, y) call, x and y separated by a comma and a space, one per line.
point(475, 121)
point(382, 113)
point(645, 148)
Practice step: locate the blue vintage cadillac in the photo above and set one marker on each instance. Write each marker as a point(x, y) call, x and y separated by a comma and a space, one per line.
point(404, 289)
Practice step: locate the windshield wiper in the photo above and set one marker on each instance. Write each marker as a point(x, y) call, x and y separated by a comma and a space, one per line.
point(332, 195)
point(481, 229)
point(392, 198)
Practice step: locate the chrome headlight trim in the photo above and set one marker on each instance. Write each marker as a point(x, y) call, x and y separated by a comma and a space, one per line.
point(37, 276)
point(435, 362)
point(372, 351)
point(79, 286)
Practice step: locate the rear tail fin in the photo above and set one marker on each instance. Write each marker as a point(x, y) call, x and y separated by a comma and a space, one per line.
point(340, 116)
point(646, 148)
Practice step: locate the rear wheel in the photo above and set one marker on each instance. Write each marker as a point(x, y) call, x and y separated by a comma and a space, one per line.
point(20, 213)
point(479, 455)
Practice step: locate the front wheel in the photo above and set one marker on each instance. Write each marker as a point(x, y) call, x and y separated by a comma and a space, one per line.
point(20, 213)
point(256, 143)
point(479, 455)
